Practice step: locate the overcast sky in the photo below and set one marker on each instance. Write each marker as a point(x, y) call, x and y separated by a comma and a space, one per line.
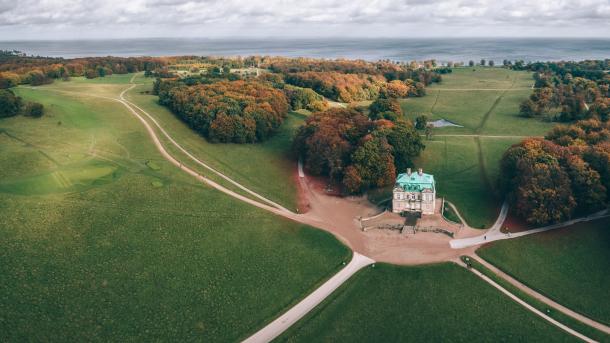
point(58, 19)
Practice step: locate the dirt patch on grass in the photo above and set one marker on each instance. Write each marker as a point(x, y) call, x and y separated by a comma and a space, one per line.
point(341, 216)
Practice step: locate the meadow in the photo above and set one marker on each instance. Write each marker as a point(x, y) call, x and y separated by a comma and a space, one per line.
point(568, 265)
point(441, 302)
point(101, 239)
point(465, 160)
point(266, 168)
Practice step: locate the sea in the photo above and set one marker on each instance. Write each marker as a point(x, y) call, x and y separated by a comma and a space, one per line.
point(371, 49)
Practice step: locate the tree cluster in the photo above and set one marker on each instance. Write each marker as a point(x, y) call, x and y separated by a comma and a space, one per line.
point(304, 98)
point(356, 80)
point(385, 108)
point(568, 91)
point(227, 111)
point(338, 86)
point(12, 105)
point(355, 151)
point(565, 174)
point(18, 68)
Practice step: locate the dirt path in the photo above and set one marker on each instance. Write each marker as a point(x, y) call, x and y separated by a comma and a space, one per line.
point(529, 307)
point(542, 298)
point(494, 233)
point(286, 320)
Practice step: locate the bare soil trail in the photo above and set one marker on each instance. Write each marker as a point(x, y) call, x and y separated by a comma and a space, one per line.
point(528, 306)
point(586, 320)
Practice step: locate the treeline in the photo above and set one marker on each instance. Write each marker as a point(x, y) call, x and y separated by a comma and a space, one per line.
point(338, 86)
point(17, 68)
point(297, 97)
point(344, 66)
point(355, 80)
point(354, 150)
point(569, 91)
point(227, 111)
point(566, 174)
point(12, 105)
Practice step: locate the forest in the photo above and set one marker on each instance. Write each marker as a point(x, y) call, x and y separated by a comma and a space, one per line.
point(227, 111)
point(18, 68)
point(568, 91)
point(567, 173)
point(359, 153)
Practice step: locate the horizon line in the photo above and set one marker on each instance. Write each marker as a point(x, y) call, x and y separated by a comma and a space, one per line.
point(237, 37)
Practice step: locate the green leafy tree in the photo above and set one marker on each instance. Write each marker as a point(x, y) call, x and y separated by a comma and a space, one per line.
point(406, 144)
point(34, 109)
point(10, 105)
point(374, 162)
point(381, 105)
point(421, 122)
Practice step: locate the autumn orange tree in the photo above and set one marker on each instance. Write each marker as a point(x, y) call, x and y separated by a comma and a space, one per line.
point(228, 111)
point(355, 151)
point(37, 70)
point(567, 173)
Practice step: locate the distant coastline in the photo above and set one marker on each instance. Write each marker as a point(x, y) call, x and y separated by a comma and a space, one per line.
point(372, 49)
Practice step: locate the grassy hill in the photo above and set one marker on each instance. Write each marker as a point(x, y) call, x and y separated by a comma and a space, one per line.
point(441, 302)
point(569, 265)
point(101, 239)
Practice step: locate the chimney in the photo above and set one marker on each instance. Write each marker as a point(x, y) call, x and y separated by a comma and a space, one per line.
point(420, 171)
point(409, 171)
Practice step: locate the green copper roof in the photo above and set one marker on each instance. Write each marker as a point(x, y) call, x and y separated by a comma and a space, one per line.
point(415, 182)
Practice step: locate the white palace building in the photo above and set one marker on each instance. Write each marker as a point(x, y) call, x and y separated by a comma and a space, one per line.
point(414, 192)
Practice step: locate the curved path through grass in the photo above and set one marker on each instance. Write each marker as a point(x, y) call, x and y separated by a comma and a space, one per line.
point(528, 306)
point(540, 297)
point(282, 323)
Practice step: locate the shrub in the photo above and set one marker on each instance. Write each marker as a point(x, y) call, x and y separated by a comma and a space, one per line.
point(34, 109)
point(382, 105)
point(10, 104)
point(421, 122)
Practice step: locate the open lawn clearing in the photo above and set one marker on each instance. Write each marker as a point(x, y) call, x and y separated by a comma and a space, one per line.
point(101, 86)
point(484, 101)
point(492, 150)
point(460, 107)
point(441, 302)
point(456, 167)
point(505, 118)
point(485, 78)
point(568, 265)
point(266, 168)
point(130, 259)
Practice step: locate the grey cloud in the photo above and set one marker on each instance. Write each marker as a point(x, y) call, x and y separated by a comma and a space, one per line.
point(259, 15)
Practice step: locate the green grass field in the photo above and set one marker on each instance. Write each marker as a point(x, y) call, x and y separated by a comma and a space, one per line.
point(568, 265)
point(433, 303)
point(539, 305)
point(101, 239)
